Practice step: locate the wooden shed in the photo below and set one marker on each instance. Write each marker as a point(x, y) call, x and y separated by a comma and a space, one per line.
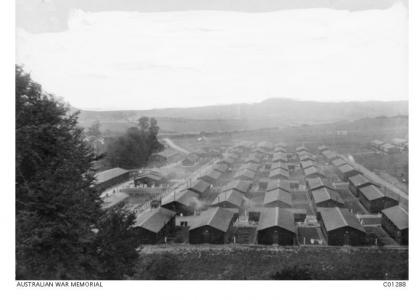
point(183, 203)
point(211, 226)
point(211, 177)
point(245, 174)
point(278, 198)
point(375, 200)
point(313, 172)
point(395, 221)
point(324, 197)
point(346, 171)
point(153, 225)
point(238, 185)
point(340, 227)
point(356, 182)
point(200, 187)
point(279, 174)
point(276, 226)
point(230, 199)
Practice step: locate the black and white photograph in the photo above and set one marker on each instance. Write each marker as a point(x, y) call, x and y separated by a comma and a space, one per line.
point(211, 140)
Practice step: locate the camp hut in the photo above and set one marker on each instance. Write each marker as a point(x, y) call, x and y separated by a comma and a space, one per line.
point(153, 225)
point(322, 148)
point(374, 200)
point(389, 148)
point(211, 177)
point(109, 178)
point(241, 186)
point(282, 157)
point(200, 187)
point(340, 227)
point(301, 148)
point(307, 164)
point(278, 184)
point(306, 157)
point(276, 226)
point(251, 166)
point(395, 221)
point(183, 203)
point(266, 146)
point(338, 162)
point(376, 144)
point(317, 183)
point(228, 161)
point(329, 155)
point(211, 226)
point(252, 159)
point(279, 174)
point(346, 171)
point(324, 197)
point(278, 198)
point(279, 149)
point(220, 167)
point(279, 165)
point(356, 182)
point(230, 199)
point(150, 179)
point(313, 172)
point(245, 174)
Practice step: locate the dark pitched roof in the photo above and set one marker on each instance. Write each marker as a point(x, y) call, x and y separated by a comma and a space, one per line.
point(220, 167)
point(278, 195)
point(338, 162)
point(109, 174)
point(245, 174)
point(186, 198)
point(277, 217)
point(278, 184)
point(252, 158)
point(371, 192)
point(154, 219)
point(335, 218)
point(345, 168)
point(307, 164)
point(312, 171)
point(277, 165)
point(317, 182)
point(398, 216)
point(276, 172)
point(279, 157)
point(214, 175)
point(233, 197)
point(250, 166)
point(200, 186)
point(329, 155)
point(359, 180)
point(324, 194)
point(218, 218)
point(238, 185)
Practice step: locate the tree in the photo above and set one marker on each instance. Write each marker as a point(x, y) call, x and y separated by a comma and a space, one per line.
point(57, 207)
point(116, 244)
point(94, 130)
point(133, 149)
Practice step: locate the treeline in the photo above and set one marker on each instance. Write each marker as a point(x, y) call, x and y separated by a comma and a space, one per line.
point(61, 231)
point(133, 149)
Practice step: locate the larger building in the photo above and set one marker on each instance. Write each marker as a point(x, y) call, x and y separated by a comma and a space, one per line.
point(109, 178)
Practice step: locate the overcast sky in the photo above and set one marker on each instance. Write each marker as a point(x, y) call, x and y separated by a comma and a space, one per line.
point(142, 60)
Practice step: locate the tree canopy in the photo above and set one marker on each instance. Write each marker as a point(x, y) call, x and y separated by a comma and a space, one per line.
point(133, 149)
point(58, 210)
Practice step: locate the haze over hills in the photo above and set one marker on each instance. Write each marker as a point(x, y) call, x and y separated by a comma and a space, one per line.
point(275, 112)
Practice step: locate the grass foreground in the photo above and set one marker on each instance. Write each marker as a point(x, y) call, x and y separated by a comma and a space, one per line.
point(223, 262)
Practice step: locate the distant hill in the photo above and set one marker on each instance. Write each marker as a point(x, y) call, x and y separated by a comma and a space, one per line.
point(276, 112)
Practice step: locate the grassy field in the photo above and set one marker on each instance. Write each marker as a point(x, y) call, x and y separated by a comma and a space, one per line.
point(261, 263)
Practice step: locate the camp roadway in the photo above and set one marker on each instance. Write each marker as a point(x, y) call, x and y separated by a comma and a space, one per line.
point(374, 177)
point(174, 146)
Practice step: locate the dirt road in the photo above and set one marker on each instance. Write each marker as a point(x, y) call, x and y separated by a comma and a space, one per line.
point(174, 146)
